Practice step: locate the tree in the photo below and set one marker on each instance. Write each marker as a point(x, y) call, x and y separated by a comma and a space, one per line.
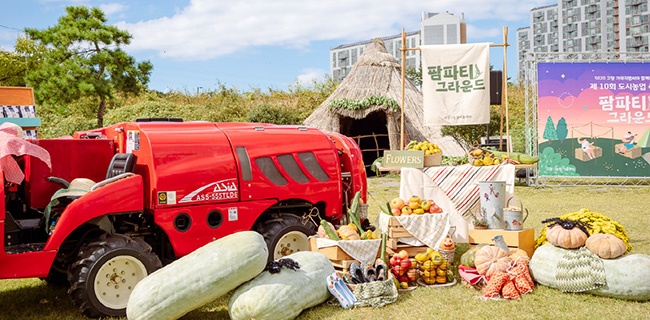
point(549, 130)
point(561, 129)
point(15, 65)
point(85, 60)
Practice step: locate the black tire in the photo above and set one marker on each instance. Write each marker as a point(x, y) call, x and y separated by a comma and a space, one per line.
point(115, 260)
point(286, 234)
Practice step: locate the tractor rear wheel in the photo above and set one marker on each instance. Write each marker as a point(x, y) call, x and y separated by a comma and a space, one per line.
point(106, 272)
point(286, 234)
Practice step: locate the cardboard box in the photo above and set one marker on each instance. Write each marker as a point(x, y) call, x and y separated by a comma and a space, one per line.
point(433, 160)
point(522, 239)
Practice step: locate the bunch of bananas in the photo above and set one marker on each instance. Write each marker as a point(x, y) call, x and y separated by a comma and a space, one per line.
point(484, 158)
point(426, 146)
point(596, 223)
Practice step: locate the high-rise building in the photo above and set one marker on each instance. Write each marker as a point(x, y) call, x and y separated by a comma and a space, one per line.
point(585, 26)
point(435, 28)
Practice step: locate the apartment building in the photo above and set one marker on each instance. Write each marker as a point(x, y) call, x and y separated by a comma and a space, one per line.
point(585, 26)
point(435, 28)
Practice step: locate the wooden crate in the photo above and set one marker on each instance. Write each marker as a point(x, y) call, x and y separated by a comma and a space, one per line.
point(334, 253)
point(397, 231)
point(522, 239)
point(433, 160)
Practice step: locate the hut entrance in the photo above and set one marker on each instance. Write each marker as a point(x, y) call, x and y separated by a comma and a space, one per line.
point(370, 133)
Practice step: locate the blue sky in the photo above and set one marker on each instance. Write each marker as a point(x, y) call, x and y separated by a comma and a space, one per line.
point(249, 44)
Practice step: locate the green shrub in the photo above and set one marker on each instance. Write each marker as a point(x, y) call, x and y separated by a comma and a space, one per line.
point(266, 113)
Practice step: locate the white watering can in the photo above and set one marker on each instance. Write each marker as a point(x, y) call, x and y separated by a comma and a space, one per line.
point(513, 217)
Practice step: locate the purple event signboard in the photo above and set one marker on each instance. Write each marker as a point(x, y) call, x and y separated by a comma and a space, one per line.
point(594, 119)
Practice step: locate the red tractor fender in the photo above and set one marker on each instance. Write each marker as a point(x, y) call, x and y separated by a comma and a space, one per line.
point(122, 196)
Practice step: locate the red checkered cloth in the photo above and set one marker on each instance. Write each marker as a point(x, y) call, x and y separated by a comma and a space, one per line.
point(12, 144)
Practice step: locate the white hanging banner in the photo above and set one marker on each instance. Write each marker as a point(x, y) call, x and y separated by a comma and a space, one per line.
point(456, 84)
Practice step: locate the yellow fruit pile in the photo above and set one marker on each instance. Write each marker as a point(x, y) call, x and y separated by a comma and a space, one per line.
point(484, 158)
point(426, 146)
point(434, 267)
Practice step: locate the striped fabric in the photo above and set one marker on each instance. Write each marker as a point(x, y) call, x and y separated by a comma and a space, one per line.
point(460, 184)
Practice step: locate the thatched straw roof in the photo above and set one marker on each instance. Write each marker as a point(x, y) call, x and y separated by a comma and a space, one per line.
point(377, 73)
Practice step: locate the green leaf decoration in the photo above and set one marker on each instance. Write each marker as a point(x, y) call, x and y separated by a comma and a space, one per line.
point(365, 103)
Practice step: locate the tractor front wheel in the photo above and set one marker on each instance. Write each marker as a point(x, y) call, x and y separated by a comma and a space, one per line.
point(286, 234)
point(106, 272)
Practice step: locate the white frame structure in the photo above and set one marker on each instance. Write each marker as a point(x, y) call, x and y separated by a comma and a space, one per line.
point(530, 89)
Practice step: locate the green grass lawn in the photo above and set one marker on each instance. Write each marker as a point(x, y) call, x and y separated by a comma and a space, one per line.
point(32, 299)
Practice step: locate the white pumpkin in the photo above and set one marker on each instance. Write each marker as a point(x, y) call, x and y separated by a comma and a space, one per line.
point(285, 294)
point(628, 277)
point(199, 277)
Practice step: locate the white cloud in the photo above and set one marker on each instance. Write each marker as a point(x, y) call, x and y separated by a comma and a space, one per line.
point(112, 8)
point(207, 29)
point(309, 76)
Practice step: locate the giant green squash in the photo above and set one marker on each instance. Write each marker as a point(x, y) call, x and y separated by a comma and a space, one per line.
point(199, 277)
point(285, 294)
point(628, 277)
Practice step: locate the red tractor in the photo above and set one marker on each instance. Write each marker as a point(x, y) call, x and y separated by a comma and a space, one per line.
point(121, 201)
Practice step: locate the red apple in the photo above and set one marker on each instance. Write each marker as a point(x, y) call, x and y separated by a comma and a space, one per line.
point(395, 260)
point(395, 271)
point(435, 209)
point(403, 278)
point(405, 264)
point(395, 211)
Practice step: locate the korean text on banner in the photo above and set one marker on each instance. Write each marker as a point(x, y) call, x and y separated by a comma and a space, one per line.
point(456, 84)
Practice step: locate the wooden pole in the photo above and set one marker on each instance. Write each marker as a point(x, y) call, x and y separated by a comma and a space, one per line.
point(504, 96)
point(401, 132)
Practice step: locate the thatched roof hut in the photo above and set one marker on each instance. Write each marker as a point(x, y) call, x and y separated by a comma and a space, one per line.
point(375, 83)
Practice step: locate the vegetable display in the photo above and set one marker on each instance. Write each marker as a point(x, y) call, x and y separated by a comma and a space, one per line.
point(199, 277)
point(285, 294)
point(595, 223)
point(628, 277)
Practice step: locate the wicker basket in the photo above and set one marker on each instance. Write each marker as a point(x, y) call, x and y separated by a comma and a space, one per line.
point(448, 254)
point(363, 211)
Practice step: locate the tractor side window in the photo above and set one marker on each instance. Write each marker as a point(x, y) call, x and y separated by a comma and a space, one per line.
point(309, 161)
point(244, 163)
point(271, 171)
point(291, 167)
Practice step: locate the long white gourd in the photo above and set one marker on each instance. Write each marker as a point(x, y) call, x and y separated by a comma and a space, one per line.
point(199, 277)
point(285, 294)
point(628, 277)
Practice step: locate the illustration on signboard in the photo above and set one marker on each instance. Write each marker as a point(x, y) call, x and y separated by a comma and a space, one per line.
point(594, 119)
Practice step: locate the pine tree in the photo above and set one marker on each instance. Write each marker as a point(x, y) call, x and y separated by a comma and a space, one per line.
point(85, 60)
point(549, 130)
point(561, 130)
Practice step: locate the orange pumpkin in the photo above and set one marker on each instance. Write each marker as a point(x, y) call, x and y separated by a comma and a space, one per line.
point(566, 238)
point(606, 246)
point(491, 259)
